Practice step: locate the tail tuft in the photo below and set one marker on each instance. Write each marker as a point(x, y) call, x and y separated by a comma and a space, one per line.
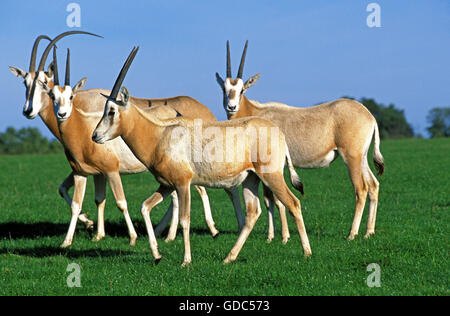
point(297, 183)
point(379, 165)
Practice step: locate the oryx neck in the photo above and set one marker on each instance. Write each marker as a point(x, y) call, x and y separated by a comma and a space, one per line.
point(140, 134)
point(246, 108)
point(48, 116)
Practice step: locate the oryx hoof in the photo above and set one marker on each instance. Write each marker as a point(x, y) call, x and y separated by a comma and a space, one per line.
point(186, 264)
point(157, 261)
point(228, 260)
point(66, 244)
point(169, 239)
point(98, 237)
point(88, 224)
point(133, 241)
point(352, 236)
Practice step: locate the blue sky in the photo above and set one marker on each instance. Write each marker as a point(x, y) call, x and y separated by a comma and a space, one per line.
point(306, 51)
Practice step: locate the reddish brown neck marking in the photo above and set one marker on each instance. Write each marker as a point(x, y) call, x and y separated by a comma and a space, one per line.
point(48, 117)
point(246, 108)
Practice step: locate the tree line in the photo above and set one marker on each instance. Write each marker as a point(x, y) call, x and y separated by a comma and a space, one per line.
point(391, 122)
point(27, 140)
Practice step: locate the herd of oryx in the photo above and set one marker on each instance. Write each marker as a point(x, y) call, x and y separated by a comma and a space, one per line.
point(109, 133)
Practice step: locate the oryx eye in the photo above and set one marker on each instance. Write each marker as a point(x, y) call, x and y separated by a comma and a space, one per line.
point(52, 96)
point(111, 112)
point(71, 97)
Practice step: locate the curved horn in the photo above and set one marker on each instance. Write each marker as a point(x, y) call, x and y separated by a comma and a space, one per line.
point(228, 60)
point(34, 52)
point(53, 42)
point(241, 66)
point(55, 68)
point(67, 80)
point(123, 72)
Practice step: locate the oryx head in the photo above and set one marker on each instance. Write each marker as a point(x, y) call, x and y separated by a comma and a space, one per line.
point(62, 96)
point(33, 93)
point(34, 97)
point(110, 126)
point(234, 89)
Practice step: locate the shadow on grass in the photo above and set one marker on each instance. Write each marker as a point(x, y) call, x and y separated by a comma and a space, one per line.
point(14, 230)
point(43, 252)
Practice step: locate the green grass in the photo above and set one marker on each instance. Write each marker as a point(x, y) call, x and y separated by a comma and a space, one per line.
point(411, 244)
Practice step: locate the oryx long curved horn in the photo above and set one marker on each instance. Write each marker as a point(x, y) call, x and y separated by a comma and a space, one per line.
point(34, 52)
point(53, 42)
point(123, 73)
point(228, 60)
point(241, 66)
point(55, 68)
point(67, 80)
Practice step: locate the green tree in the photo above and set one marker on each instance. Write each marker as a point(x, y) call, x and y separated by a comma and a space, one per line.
point(439, 120)
point(391, 121)
point(26, 141)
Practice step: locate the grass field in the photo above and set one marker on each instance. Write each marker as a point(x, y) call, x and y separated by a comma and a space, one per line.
point(411, 244)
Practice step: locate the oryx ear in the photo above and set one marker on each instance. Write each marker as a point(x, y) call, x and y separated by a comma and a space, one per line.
point(44, 86)
point(220, 81)
point(80, 85)
point(125, 96)
point(250, 82)
point(18, 72)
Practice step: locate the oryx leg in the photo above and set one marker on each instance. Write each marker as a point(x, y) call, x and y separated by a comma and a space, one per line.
point(270, 200)
point(233, 194)
point(116, 187)
point(174, 213)
point(374, 186)
point(146, 209)
point(355, 164)
point(207, 209)
point(76, 205)
point(284, 225)
point(174, 210)
point(184, 198)
point(253, 211)
point(168, 216)
point(64, 192)
point(100, 201)
point(276, 183)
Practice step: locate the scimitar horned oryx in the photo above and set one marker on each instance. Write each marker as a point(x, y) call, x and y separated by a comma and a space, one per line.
point(166, 149)
point(317, 135)
point(87, 158)
point(37, 103)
